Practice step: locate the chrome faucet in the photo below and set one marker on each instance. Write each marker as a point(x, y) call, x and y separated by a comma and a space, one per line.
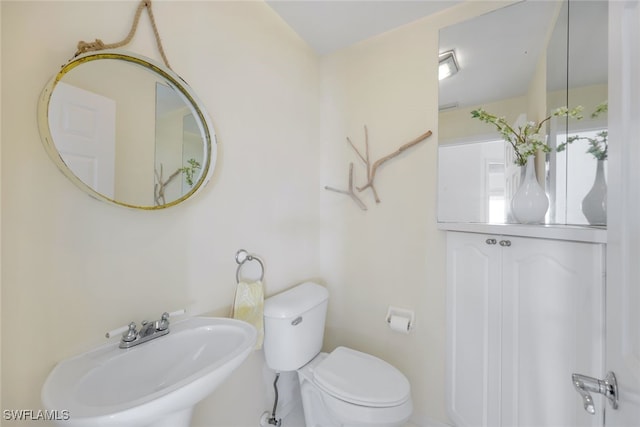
point(148, 330)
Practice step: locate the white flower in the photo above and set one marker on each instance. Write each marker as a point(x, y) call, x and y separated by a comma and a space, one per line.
point(537, 138)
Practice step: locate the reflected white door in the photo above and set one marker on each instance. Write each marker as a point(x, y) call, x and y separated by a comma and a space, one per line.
point(623, 247)
point(83, 126)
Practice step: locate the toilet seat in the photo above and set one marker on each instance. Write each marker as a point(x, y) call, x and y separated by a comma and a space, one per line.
point(361, 379)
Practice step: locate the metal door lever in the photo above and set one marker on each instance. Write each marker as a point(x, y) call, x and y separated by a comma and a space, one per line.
point(608, 387)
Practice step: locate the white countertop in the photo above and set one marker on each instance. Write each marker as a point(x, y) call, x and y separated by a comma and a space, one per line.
point(577, 233)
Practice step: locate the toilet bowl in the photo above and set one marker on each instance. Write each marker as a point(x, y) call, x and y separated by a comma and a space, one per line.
point(342, 388)
point(350, 388)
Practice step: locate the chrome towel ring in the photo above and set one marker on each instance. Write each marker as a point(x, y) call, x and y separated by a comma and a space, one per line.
point(243, 256)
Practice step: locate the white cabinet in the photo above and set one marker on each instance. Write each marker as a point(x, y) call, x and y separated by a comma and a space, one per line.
point(523, 314)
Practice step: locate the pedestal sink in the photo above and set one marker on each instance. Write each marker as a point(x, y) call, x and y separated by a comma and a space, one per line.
point(155, 384)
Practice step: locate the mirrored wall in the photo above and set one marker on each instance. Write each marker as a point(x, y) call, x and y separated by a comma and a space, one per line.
point(577, 76)
point(522, 62)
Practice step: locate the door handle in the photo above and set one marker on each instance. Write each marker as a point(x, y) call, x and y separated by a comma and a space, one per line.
point(608, 387)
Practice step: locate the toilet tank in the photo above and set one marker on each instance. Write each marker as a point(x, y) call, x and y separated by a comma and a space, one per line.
point(294, 326)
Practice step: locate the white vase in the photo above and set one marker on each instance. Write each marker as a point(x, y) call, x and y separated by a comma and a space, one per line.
point(530, 203)
point(594, 204)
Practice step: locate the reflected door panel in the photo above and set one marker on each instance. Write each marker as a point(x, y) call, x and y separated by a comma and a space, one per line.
point(83, 127)
point(472, 183)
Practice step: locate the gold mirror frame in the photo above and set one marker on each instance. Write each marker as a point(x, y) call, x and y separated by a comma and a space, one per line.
point(173, 80)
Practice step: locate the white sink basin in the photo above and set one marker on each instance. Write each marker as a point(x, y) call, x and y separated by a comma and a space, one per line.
point(153, 384)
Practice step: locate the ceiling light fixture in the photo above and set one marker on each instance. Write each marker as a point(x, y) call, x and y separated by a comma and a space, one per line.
point(448, 64)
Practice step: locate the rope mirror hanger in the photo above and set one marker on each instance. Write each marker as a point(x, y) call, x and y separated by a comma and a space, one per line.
point(84, 47)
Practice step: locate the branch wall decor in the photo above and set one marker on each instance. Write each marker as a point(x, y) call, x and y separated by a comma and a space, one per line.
point(350, 191)
point(372, 168)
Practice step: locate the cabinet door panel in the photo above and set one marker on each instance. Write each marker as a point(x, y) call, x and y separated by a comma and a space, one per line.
point(473, 307)
point(552, 326)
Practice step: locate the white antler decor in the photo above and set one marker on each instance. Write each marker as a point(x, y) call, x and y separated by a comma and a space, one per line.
point(372, 168)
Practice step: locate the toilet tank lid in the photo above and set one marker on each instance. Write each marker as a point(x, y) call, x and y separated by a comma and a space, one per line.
point(295, 301)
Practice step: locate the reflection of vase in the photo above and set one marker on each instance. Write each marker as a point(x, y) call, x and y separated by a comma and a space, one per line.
point(594, 204)
point(530, 203)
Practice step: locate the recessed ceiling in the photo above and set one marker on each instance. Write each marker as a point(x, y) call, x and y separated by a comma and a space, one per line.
point(497, 53)
point(330, 25)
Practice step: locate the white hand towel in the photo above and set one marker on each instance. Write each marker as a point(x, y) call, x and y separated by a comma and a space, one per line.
point(249, 306)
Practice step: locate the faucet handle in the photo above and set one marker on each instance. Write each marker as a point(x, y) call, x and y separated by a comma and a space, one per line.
point(129, 332)
point(163, 324)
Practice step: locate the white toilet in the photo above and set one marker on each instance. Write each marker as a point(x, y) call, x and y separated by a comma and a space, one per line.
point(343, 388)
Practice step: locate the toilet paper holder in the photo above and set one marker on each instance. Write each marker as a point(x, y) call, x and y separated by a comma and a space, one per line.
point(396, 312)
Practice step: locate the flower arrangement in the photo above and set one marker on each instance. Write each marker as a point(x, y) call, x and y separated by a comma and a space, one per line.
point(526, 139)
point(599, 145)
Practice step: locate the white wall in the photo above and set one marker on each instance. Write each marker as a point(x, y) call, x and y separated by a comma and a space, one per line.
point(76, 267)
point(392, 254)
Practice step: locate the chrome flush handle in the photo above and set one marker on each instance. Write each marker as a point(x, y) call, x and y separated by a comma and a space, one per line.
point(586, 385)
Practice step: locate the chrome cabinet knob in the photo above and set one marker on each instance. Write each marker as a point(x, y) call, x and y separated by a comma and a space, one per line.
point(491, 241)
point(505, 243)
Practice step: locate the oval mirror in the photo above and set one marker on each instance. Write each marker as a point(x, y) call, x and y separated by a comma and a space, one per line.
point(127, 130)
